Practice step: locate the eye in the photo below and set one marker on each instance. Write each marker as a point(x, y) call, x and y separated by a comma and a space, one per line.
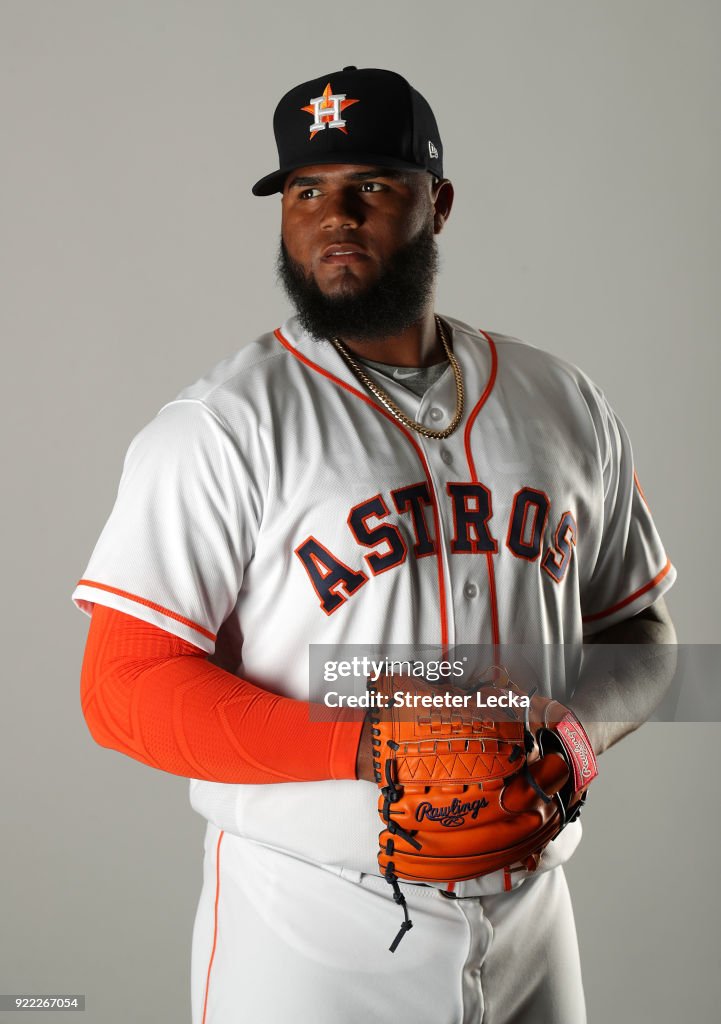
point(372, 186)
point(307, 193)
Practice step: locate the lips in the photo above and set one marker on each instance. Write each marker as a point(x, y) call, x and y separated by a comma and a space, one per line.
point(343, 252)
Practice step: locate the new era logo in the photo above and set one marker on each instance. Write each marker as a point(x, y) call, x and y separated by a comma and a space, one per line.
point(432, 150)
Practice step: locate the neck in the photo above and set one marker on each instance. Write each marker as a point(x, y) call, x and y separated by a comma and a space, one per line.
point(416, 345)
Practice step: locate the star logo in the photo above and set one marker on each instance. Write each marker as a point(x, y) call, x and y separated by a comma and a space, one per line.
point(327, 110)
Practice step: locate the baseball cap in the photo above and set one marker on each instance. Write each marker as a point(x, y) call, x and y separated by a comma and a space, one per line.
point(354, 116)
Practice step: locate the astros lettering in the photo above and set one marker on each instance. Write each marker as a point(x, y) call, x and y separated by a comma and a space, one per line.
point(471, 504)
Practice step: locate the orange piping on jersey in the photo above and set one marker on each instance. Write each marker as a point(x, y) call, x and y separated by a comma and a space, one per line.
point(507, 883)
point(631, 597)
point(215, 925)
point(479, 405)
point(640, 489)
point(419, 452)
point(149, 604)
point(496, 634)
point(494, 604)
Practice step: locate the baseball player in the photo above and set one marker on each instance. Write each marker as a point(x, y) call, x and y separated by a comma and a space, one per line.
point(370, 473)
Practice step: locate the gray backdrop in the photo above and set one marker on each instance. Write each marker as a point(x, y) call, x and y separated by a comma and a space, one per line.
point(583, 142)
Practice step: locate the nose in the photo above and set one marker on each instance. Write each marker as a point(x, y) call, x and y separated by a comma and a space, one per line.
point(342, 208)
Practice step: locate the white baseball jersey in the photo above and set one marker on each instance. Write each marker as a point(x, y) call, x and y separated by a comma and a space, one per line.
point(275, 504)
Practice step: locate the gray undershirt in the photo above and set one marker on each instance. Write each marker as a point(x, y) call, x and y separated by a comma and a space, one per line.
point(416, 378)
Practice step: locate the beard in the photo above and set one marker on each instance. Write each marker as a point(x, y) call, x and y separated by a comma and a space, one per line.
point(395, 300)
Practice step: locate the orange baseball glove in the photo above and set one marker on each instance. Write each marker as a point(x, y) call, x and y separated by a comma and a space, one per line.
point(472, 781)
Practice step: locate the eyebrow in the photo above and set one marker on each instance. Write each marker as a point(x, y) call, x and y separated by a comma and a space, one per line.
point(374, 172)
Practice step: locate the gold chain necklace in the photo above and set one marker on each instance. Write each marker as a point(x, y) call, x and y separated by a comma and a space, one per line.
point(391, 406)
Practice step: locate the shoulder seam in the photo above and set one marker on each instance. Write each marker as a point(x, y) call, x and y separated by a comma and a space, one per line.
point(278, 353)
point(199, 401)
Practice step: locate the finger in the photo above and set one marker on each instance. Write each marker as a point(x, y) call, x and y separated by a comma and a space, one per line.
point(550, 774)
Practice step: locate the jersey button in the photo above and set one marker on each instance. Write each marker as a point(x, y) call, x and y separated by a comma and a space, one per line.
point(470, 591)
point(446, 456)
point(436, 413)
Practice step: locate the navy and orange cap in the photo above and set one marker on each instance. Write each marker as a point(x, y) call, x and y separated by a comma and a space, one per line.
point(354, 116)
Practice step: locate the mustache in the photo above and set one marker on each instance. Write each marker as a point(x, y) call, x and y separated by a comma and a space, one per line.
point(396, 298)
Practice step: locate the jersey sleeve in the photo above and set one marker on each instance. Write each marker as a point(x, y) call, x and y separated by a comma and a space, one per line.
point(183, 527)
point(631, 569)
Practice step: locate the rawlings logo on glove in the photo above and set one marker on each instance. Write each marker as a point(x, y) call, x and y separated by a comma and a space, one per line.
point(462, 796)
point(450, 817)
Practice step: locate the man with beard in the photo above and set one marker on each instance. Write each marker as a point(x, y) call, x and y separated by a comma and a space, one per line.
point(369, 474)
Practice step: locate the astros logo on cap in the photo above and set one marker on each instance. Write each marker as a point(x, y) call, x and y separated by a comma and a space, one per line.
point(326, 111)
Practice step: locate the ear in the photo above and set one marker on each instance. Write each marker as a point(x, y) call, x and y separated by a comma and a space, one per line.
point(442, 198)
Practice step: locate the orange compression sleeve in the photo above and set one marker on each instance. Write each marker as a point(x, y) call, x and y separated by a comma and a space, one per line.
point(155, 697)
